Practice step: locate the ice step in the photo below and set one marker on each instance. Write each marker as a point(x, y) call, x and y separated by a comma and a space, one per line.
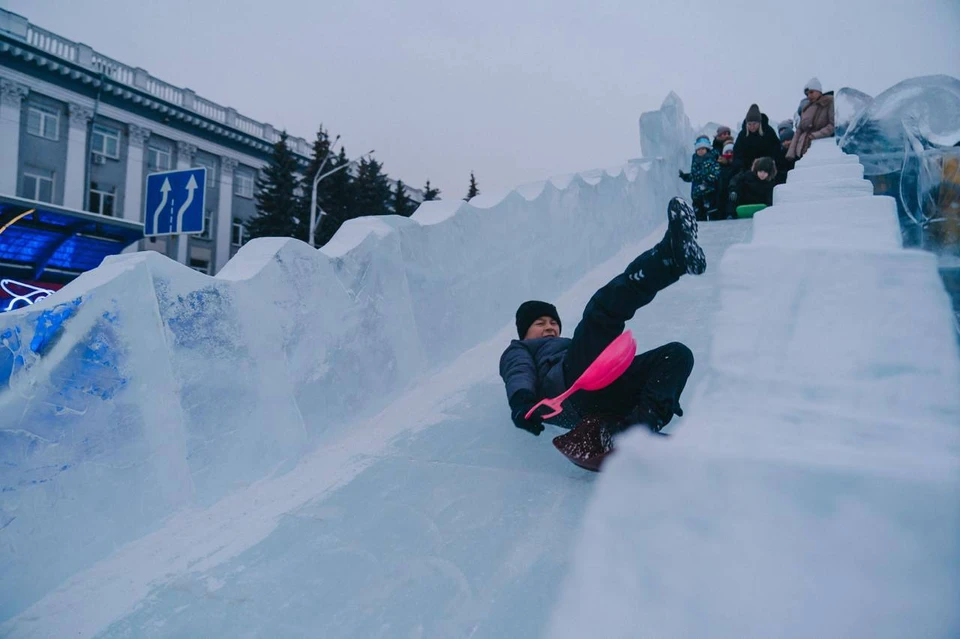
point(833, 324)
point(831, 161)
point(826, 190)
point(868, 222)
point(822, 172)
point(824, 153)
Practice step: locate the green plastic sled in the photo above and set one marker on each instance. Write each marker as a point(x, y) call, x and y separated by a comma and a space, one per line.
point(747, 210)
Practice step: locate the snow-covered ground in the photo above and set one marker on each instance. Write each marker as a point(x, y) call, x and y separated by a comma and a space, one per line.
point(318, 444)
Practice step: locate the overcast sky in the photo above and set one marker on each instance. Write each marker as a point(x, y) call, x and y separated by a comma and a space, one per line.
point(515, 91)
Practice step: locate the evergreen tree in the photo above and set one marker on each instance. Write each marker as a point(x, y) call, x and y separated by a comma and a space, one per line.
point(430, 193)
point(474, 191)
point(402, 204)
point(373, 192)
point(279, 208)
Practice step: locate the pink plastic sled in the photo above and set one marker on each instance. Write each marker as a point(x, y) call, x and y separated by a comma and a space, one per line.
point(609, 365)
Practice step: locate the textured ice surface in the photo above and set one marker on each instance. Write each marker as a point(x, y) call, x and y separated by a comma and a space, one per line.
point(927, 107)
point(667, 132)
point(811, 490)
point(167, 422)
point(847, 104)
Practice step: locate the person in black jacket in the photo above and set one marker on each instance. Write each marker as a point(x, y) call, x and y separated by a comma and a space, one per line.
point(784, 164)
point(723, 136)
point(752, 187)
point(542, 364)
point(757, 139)
point(723, 184)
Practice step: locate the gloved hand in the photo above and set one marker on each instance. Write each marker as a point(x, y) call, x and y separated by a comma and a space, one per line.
point(685, 176)
point(520, 404)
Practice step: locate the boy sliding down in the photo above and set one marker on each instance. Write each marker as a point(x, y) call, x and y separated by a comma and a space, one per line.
point(542, 364)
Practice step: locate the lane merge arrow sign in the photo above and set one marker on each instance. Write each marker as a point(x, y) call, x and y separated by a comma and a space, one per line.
point(167, 189)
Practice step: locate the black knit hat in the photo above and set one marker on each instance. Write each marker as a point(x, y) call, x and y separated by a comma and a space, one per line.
point(529, 312)
point(753, 114)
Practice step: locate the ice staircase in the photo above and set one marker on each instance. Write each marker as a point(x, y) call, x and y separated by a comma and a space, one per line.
point(812, 490)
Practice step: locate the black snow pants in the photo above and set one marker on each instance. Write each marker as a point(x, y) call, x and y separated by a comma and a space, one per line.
point(704, 205)
point(649, 391)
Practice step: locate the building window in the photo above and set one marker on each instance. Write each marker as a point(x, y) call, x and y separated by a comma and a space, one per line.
point(44, 122)
point(37, 187)
point(243, 184)
point(105, 141)
point(207, 225)
point(201, 266)
point(211, 167)
point(239, 236)
point(102, 199)
point(158, 159)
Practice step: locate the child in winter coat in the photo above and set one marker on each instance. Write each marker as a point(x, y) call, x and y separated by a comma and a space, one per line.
point(703, 176)
point(753, 187)
point(542, 364)
point(727, 171)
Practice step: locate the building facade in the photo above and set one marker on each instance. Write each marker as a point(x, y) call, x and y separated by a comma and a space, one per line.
point(82, 131)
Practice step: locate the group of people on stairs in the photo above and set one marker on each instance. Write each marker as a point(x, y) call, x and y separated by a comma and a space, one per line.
point(726, 173)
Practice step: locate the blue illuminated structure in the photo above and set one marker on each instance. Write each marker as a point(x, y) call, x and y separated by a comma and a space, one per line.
point(41, 241)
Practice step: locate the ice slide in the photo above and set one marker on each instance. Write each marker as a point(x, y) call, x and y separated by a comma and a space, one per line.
point(159, 425)
point(317, 444)
point(814, 487)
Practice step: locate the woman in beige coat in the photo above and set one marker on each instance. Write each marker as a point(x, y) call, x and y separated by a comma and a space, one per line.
point(816, 119)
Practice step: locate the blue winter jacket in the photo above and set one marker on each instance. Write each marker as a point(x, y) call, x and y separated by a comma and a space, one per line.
point(536, 365)
point(704, 175)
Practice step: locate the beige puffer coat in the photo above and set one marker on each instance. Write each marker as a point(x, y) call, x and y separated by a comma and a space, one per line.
point(816, 122)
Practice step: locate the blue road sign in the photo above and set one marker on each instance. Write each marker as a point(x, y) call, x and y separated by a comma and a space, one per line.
point(174, 202)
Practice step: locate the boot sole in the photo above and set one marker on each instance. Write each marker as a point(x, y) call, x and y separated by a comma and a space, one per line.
point(682, 221)
point(590, 463)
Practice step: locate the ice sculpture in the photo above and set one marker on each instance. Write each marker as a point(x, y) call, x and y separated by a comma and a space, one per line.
point(847, 104)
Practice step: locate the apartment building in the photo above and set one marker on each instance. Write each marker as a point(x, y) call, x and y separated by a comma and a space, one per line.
point(81, 131)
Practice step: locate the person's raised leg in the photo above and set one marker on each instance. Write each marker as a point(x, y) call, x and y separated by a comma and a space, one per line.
point(607, 312)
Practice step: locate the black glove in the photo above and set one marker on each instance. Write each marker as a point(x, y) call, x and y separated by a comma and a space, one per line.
point(685, 176)
point(520, 404)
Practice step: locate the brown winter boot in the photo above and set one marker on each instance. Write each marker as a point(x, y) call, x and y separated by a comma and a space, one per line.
point(589, 442)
